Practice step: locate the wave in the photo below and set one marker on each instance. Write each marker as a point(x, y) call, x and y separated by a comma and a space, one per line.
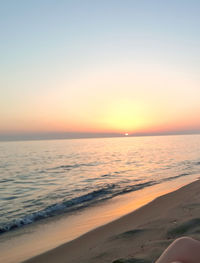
point(72, 166)
point(105, 175)
point(136, 187)
point(106, 192)
point(174, 177)
point(65, 206)
point(103, 193)
point(6, 180)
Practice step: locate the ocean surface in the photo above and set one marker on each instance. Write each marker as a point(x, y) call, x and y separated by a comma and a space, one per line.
point(41, 179)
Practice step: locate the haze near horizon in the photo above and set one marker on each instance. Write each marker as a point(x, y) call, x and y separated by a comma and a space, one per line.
point(99, 67)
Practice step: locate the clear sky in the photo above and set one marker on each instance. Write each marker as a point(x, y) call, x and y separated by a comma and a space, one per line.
point(99, 66)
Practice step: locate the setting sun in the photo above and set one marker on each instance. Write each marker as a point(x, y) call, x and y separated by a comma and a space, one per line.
point(142, 88)
point(99, 114)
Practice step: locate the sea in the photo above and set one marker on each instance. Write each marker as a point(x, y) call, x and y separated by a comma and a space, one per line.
point(43, 179)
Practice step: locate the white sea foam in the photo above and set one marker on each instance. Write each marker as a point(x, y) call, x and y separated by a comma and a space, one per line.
point(45, 178)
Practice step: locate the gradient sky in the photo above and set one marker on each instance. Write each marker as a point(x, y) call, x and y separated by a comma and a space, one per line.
point(99, 66)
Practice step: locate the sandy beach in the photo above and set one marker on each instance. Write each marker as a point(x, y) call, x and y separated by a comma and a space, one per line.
point(140, 235)
point(99, 130)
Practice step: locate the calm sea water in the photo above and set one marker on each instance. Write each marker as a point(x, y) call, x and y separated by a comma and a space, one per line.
point(39, 179)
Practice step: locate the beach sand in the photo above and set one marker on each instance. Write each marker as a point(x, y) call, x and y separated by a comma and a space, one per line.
point(140, 235)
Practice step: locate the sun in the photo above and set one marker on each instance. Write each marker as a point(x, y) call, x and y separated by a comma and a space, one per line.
point(126, 134)
point(123, 115)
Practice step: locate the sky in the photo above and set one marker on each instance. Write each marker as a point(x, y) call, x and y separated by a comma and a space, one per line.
point(99, 67)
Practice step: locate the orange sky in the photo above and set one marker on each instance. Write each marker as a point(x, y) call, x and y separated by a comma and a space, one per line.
point(132, 70)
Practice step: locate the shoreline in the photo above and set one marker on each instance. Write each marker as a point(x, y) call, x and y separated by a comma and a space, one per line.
point(143, 233)
point(42, 236)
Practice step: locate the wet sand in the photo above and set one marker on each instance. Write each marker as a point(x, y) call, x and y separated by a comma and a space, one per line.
point(140, 235)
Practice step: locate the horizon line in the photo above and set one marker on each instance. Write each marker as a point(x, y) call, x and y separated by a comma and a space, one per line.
point(85, 135)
